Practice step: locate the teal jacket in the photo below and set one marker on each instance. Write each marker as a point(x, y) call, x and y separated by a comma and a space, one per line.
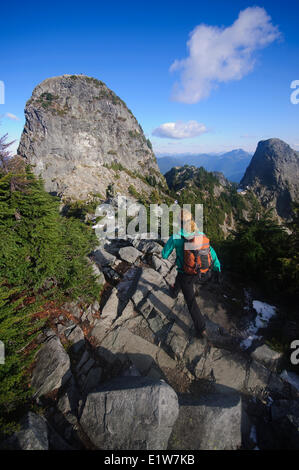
point(176, 241)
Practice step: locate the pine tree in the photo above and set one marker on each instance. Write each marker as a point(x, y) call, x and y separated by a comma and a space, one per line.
point(42, 258)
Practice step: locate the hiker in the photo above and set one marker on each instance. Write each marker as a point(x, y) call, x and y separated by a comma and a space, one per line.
point(191, 265)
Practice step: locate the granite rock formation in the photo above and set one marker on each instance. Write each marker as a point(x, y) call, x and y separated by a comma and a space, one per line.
point(273, 175)
point(79, 135)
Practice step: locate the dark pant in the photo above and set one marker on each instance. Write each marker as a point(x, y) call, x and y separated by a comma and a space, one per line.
point(186, 283)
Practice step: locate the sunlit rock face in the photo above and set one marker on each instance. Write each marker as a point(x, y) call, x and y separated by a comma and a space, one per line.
point(79, 133)
point(273, 174)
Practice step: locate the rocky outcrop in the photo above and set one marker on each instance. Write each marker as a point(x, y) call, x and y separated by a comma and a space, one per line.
point(213, 422)
point(273, 175)
point(137, 346)
point(219, 197)
point(33, 435)
point(147, 408)
point(79, 135)
point(52, 366)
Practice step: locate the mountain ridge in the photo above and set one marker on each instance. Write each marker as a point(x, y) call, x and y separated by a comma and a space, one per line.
point(273, 175)
point(232, 164)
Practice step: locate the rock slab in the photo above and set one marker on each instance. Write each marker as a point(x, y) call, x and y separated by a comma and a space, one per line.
point(52, 368)
point(214, 422)
point(130, 413)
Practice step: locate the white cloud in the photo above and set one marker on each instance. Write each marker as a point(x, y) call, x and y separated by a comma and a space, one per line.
point(222, 54)
point(12, 116)
point(180, 130)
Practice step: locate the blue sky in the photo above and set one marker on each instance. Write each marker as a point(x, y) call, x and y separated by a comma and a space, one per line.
point(226, 90)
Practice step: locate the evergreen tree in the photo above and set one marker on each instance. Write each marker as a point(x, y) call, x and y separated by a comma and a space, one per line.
point(42, 259)
point(290, 262)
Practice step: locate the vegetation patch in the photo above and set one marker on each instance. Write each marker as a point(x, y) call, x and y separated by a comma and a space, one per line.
point(42, 259)
point(49, 101)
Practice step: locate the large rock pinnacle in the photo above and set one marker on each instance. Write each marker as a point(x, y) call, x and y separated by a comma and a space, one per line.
point(273, 174)
point(76, 128)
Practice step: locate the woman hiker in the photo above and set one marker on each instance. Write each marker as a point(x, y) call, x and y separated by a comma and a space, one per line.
point(191, 265)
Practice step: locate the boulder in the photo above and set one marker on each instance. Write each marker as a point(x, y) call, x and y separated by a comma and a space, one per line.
point(33, 434)
point(68, 401)
point(52, 369)
point(211, 422)
point(76, 337)
point(148, 246)
point(115, 416)
point(102, 257)
point(266, 356)
point(129, 254)
point(100, 279)
point(109, 313)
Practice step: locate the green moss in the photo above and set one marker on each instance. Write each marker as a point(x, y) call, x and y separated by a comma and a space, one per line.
point(47, 100)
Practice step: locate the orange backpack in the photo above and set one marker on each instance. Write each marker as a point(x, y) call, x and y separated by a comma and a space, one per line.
point(198, 260)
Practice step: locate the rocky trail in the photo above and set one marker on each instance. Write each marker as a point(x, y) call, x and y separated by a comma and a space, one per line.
point(128, 372)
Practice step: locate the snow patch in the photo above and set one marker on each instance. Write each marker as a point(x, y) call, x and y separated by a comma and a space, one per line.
point(264, 313)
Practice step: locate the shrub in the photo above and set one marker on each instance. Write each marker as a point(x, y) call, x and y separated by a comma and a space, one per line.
point(42, 259)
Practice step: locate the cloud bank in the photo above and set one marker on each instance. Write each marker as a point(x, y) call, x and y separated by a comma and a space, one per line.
point(222, 54)
point(180, 130)
point(11, 116)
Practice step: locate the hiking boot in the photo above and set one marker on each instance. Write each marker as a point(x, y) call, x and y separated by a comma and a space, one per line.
point(173, 292)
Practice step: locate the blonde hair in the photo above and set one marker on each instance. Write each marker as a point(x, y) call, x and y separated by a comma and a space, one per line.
point(187, 221)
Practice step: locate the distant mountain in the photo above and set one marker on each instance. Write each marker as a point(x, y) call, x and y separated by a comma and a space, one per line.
point(232, 164)
point(222, 204)
point(273, 175)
